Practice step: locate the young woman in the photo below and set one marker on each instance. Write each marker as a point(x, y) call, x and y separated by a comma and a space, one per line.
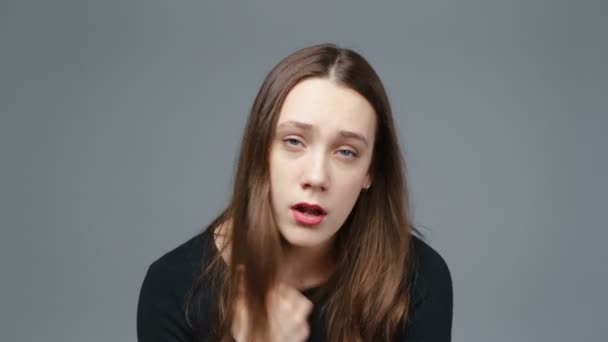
point(316, 243)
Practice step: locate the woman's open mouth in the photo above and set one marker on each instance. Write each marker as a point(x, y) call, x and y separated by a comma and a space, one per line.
point(308, 214)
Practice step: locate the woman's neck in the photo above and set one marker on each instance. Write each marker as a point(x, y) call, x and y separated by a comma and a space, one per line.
point(301, 267)
point(306, 267)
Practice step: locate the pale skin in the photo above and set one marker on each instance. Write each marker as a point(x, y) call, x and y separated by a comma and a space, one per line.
point(321, 154)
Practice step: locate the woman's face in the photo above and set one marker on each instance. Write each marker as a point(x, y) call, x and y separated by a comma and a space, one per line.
point(320, 156)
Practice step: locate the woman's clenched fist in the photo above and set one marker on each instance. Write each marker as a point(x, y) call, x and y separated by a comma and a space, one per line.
point(288, 312)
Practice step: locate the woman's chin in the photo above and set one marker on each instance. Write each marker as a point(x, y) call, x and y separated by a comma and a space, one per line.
point(303, 237)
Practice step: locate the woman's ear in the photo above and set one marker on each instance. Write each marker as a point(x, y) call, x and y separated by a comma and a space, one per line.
point(367, 182)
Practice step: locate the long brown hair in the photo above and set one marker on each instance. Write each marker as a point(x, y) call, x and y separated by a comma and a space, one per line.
point(368, 294)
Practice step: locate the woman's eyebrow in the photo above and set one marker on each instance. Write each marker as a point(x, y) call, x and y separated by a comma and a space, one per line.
point(309, 127)
point(353, 135)
point(297, 124)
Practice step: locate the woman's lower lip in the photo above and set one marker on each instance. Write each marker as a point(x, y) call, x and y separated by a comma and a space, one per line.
point(307, 220)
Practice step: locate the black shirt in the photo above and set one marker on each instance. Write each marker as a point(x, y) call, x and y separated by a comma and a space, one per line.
point(161, 307)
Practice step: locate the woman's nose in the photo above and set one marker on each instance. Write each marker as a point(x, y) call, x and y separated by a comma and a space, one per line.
point(316, 175)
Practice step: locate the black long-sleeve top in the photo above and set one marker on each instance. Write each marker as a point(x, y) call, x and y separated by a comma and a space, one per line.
point(161, 307)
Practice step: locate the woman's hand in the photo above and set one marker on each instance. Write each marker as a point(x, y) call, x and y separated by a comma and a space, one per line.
point(289, 310)
point(288, 315)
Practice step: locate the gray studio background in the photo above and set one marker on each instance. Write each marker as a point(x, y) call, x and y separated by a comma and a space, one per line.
point(120, 122)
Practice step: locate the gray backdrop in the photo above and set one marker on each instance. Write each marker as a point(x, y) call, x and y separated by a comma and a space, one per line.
point(120, 122)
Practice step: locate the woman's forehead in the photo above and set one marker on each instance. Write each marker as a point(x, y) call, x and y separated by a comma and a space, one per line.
point(322, 103)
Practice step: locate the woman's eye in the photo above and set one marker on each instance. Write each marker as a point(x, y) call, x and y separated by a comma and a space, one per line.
point(293, 142)
point(347, 153)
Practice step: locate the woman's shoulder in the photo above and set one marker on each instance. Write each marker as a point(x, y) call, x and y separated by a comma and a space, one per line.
point(179, 267)
point(430, 270)
point(431, 295)
point(164, 291)
point(188, 255)
point(427, 261)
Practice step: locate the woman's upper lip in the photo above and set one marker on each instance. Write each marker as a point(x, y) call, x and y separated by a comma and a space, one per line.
point(309, 206)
